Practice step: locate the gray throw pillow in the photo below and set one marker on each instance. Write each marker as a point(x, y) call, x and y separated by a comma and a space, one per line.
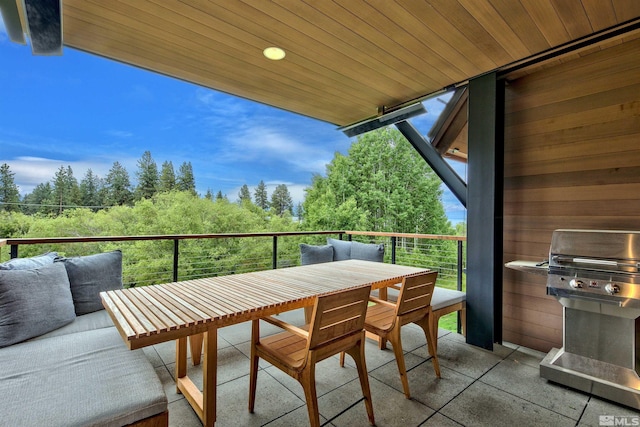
point(33, 302)
point(89, 275)
point(29, 263)
point(341, 249)
point(310, 254)
point(367, 252)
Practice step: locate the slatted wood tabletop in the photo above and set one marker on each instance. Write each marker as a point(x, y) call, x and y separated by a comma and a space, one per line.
point(153, 314)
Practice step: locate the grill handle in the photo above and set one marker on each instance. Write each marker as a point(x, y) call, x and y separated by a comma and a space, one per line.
point(596, 300)
point(599, 262)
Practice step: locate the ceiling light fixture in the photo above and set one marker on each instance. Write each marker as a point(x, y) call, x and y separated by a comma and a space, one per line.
point(274, 53)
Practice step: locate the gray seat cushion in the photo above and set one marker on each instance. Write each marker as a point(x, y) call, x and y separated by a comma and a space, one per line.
point(310, 254)
point(443, 297)
point(341, 249)
point(33, 302)
point(86, 322)
point(89, 275)
point(81, 379)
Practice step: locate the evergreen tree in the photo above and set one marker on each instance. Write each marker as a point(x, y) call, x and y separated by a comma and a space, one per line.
point(148, 178)
point(117, 186)
point(167, 177)
point(244, 195)
point(9, 194)
point(74, 188)
point(260, 196)
point(40, 200)
point(185, 180)
point(281, 201)
point(381, 185)
point(299, 211)
point(90, 187)
point(209, 194)
point(65, 189)
point(219, 196)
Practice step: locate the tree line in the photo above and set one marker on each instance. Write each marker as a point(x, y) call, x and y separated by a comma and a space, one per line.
point(65, 192)
point(381, 184)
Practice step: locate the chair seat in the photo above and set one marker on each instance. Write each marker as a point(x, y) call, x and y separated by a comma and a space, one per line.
point(379, 319)
point(443, 297)
point(286, 347)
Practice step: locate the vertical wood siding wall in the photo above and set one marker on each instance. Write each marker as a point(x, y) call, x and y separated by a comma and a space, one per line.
point(572, 160)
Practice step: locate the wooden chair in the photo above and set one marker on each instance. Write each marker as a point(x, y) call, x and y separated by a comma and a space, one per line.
point(385, 319)
point(336, 326)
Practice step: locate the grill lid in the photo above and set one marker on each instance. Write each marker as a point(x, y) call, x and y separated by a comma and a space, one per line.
point(599, 250)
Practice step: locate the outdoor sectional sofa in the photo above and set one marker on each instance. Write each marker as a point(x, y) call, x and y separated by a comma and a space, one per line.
point(444, 301)
point(62, 362)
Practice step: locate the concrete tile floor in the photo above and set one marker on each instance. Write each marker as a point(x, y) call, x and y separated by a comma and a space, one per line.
point(477, 388)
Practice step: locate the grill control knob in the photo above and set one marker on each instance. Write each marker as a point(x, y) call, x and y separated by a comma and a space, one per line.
point(576, 284)
point(611, 289)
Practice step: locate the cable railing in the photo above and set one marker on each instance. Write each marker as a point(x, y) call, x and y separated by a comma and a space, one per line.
point(156, 259)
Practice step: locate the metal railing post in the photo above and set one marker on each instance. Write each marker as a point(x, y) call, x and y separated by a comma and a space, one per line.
point(460, 253)
point(274, 262)
point(14, 251)
point(393, 249)
point(176, 244)
point(459, 265)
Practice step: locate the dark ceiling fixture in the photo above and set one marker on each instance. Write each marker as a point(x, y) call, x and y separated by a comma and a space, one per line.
point(386, 119)
point(43, 20)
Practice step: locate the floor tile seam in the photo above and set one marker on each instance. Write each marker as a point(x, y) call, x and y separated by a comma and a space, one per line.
point(529, 401)
point(451, 401)
point(513, 350)
point(285, 385)
point(442, 415)
point(584, 410)
point(422, 362)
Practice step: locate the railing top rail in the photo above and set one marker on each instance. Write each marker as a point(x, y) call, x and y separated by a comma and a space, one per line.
point(88, 239)
point(411, 235)
point(85, 239)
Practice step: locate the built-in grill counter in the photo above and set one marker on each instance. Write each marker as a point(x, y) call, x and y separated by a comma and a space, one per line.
point(595, 275)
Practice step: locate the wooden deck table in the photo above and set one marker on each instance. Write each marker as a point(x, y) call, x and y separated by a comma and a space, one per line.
point(174, 311)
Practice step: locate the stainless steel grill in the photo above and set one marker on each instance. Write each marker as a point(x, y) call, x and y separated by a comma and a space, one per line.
point(595, 275)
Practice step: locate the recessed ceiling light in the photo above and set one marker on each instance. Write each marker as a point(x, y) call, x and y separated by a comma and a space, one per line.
point(274, 53)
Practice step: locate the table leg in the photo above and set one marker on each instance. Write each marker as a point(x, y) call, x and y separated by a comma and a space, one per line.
point(210, 376)
point(203, 402)
point(195, 342)
point(181, 360)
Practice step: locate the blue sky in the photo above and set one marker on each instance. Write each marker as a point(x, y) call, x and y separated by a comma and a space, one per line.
point(87, 112)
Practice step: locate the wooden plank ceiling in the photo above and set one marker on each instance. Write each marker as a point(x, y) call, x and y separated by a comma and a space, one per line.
point(344, 58)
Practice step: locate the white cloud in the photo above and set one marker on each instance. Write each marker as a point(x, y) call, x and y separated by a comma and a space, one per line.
point(265, 144)
point(252, 132)
point(31, 171)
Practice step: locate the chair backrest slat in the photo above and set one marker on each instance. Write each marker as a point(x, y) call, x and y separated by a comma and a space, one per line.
point(337, 315)
point(416, 292)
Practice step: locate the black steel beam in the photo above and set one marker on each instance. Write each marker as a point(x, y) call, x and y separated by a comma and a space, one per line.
point(446, 173)
point(484, 211)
